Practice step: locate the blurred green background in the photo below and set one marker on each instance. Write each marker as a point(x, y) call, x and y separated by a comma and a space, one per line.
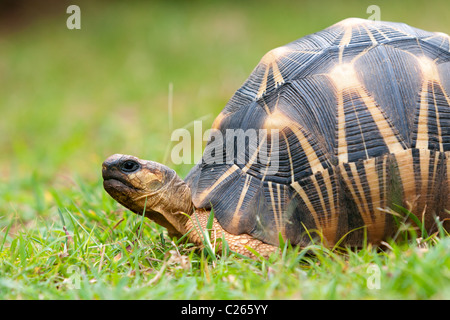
point(70, 98)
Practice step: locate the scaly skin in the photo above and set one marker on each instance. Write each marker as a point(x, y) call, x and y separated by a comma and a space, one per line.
point(237, 243)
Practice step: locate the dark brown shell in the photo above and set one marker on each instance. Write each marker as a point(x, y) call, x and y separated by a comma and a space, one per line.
point(363, 113)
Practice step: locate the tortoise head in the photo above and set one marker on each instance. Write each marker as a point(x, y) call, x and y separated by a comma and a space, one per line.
point(150, 188)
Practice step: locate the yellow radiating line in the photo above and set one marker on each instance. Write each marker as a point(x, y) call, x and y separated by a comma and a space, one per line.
point(379, 220)
point(268, 162)
point(425, 160)
point(266, 107)
point(332, 215)
point(227, 173)
point(319, 192)
point(438, 35)
point(436, 160)
point(306, 200)
point(328, 231)
point(427, 182)
point(384, 182)
point(360, 130)
point(373, 181)
point(218, 120)
point(342, 142)
point(235, 221)
point(430, 73)
point(381, 32)
point(272, 200)
point(406, 169)
point(273, 60)
point(290, 157)
point(278, 78)
point(422, 127)
point(263, 85)
point(254, 156)
point(277, 120)
point(310, 153)
point(270, 61)
point(390, 139)
point(346, 38)
point(362, 53)
point(398, 30)
point(280, 213)
point(438, 123)
point(372, 38)
point(362, 204)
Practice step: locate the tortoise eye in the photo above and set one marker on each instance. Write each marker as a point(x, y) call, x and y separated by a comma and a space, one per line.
point(130, 166)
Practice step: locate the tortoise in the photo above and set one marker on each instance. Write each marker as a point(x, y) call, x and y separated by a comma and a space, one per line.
point(356, 122)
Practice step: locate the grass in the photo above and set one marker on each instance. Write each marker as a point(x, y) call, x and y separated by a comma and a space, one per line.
point(69, 99)
point(97, 254)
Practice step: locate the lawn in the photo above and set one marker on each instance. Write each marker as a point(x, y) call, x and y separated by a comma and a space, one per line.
point(71, 98)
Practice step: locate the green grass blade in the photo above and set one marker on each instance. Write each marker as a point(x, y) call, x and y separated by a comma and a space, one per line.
point(6, 234)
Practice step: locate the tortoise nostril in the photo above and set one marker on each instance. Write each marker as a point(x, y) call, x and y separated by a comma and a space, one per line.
point(129, 166)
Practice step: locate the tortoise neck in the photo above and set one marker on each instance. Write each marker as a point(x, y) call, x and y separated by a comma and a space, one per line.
point(172, 206)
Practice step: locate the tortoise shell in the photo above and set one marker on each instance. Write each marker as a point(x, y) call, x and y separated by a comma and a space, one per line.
point(362, 116)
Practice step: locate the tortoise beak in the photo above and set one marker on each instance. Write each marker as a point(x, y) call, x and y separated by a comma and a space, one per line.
point(115, 180)
point(110, 166)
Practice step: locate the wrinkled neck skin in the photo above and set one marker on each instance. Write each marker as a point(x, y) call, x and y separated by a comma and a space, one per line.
point(155, 190)
point(170, 205)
